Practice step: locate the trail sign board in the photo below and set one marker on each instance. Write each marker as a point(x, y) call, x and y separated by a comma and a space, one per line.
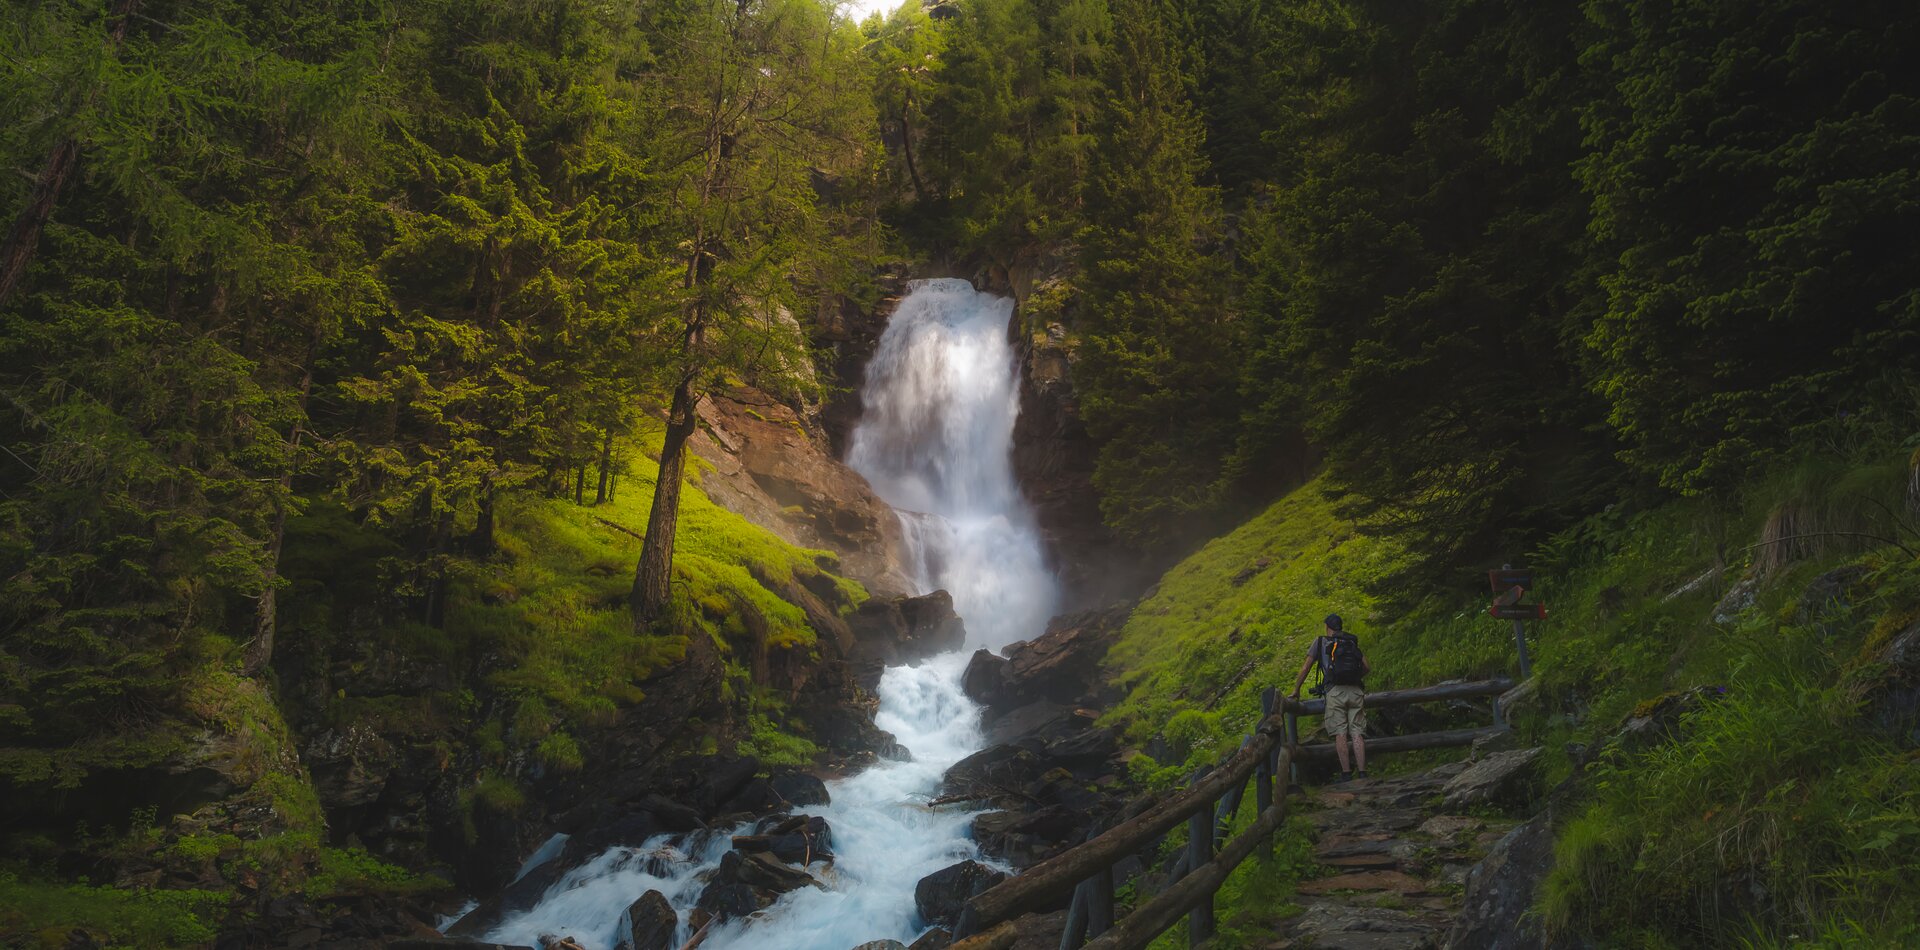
point(1510, 577)
point(1512, 596)
point(1519, 611)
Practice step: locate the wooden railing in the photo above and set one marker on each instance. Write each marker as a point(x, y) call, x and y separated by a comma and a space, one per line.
point(1083, 875)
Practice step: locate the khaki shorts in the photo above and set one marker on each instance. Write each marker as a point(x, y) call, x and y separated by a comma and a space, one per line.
point(1346, 713)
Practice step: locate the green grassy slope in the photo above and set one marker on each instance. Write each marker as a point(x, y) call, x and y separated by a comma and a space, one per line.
point(1236, 617)
point(1780, 812)
point(538, 647)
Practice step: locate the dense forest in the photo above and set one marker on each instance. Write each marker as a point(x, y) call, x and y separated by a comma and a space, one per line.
point(313, 313)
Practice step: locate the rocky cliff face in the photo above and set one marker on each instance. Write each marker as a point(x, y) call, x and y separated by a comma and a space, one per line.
point(777, 469)
point(1053, 455)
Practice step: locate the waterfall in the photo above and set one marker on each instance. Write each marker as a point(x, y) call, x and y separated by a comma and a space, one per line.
point(935, 440)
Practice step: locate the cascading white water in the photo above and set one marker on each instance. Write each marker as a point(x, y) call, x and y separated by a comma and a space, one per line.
point(941, 396)
point(936, 439)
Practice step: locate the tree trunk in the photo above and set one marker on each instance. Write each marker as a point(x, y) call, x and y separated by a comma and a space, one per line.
point(580, 484)
point(653, 580)
point(266, 607)
point(906, 148)
point(24, 237)
point(606, 468)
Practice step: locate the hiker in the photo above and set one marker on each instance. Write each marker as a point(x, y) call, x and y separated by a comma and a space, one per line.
point(1342, 668)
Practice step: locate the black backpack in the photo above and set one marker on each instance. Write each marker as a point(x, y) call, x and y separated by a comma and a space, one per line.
point(1341, 659)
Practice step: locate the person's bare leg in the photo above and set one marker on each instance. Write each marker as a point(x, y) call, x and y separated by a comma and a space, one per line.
point(1359, 753)
point(1340, 750)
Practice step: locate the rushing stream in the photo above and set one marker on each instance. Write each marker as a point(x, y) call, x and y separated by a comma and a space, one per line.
point(941, 396)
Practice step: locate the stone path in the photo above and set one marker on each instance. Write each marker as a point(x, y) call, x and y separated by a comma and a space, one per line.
point(1395, 864)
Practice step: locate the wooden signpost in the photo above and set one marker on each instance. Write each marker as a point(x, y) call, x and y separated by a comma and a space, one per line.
point(1509, 586)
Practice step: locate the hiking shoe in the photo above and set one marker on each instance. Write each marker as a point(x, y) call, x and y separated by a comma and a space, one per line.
point(1342, 778)
point(1360, 774)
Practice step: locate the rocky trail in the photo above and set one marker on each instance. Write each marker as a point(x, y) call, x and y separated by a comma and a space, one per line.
point(1396, 854)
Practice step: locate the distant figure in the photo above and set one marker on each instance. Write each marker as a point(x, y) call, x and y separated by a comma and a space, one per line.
point(1343, 669)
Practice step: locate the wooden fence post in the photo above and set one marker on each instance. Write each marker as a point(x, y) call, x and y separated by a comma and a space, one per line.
point(1263, 776)
point(1075, 933)
point(1200, 851)
point(1293, 741)
point(1100, 904)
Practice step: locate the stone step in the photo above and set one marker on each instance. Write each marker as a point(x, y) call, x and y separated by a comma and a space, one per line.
point(1390, 881)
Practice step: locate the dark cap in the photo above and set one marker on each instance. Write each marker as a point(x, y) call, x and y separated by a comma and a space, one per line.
point(1333, 621)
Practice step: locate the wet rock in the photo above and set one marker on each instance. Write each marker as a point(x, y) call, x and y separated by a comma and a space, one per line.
point(882, 945)
point(800, 839)
point(800, 788)
point(730, 900)
point(523, 893)
point(762, 871)
point(1500, 890)
point(1063, 665)
point(1500, 777)
point(907, 629)
point(993, 773)
point(721, 777)
point(935, 939)
point(556, 942)
point(940, 896)
point(672, 815)
point(649, 924)
point(757, 797)
point(984, 681)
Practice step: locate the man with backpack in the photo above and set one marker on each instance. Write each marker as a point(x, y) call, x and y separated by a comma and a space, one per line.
point(1343, 670)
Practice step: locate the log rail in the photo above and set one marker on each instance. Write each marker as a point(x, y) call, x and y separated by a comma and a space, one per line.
point(1083, 875)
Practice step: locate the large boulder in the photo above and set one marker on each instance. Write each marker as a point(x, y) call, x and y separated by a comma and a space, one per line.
point(799, 788)
point(1501, 777)
point(1063, 665)
point(1895, 704)
point(649, 924)
point(1658, 721)
point(940, 896)
point(897, 630)
point(761, 871)
point(1500, 891)
point(984, 680)
point(994, 773)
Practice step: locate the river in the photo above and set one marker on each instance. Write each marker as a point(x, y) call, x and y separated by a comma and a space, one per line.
point(935, 440)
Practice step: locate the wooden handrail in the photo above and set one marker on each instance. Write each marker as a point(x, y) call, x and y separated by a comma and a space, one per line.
point(1055, 878)
point(1408, 697)
point(1419, 740)
point(986, 921)
point(1149, 920)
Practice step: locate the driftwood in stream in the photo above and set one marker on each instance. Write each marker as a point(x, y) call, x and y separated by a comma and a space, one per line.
point(1054, 879)
point(1149, 920)
point(1419, 740)
point(1424, 694)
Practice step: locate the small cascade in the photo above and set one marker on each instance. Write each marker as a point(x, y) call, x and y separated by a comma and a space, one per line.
point(935, 441)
